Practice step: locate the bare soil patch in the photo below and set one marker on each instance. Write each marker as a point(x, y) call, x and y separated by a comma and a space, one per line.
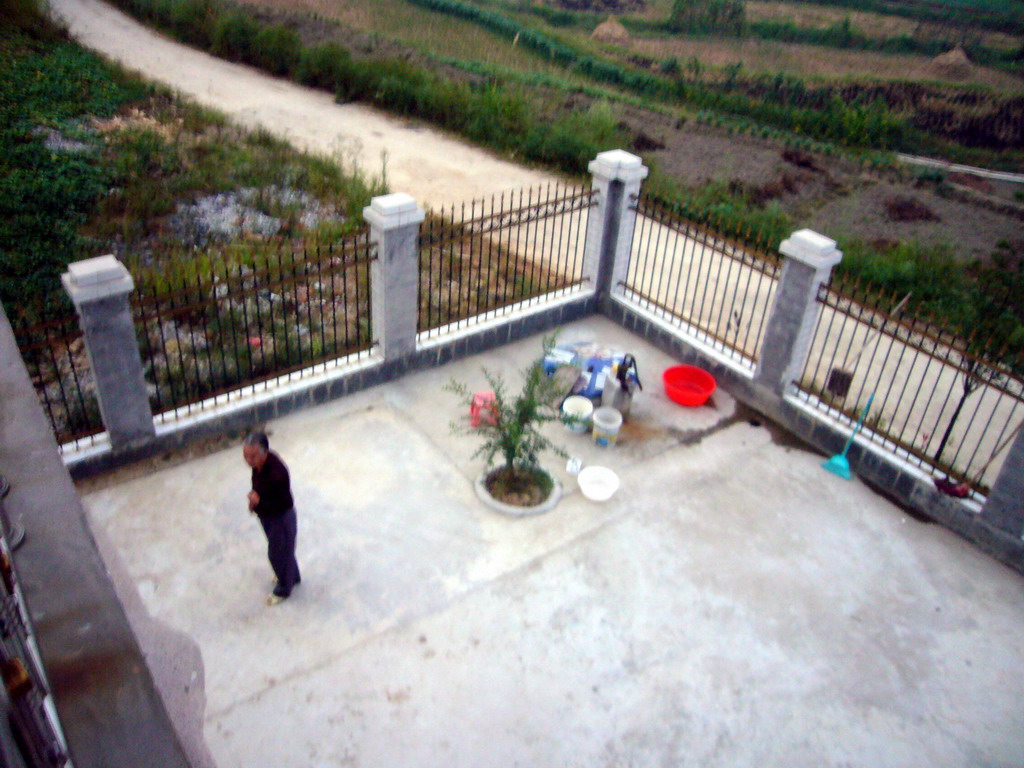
point(902, 208)
point(520, 488)
point(972, 230)
point(829, 194)
point(832, 195)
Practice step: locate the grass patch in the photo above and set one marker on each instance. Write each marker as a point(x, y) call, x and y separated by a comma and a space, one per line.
point(48, 89)
point(94, 160)
point(983, 302)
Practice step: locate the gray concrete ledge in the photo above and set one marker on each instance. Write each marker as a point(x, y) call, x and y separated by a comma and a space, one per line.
point(104, 693)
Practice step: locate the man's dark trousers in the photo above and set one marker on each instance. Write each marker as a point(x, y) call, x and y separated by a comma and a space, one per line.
point(281, 532)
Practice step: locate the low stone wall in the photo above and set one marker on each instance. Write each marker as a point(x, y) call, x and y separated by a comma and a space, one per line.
point(108, 706)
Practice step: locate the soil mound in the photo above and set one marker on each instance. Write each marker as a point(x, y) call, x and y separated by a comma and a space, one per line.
point(953, 63)
point(611, 31)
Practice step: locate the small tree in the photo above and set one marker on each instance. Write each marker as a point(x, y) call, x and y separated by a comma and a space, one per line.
point(513, 427)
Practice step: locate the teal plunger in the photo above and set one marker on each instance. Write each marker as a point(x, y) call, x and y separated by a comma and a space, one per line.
point(838, 465)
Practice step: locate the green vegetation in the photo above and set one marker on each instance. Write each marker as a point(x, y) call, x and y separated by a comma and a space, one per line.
point(987, 307)
point(510, 429)
point(138, 168)
point(490, 113)
point(506, 110)
point(844, 35)
point(46, 195)
point(886, 116)
point(724, 208)
point(893, 116)
point(246, 313)
point(90, 156)
point(697, 16)
point(728, 18)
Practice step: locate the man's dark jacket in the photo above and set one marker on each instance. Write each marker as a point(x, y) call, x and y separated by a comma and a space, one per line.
point(273, 486)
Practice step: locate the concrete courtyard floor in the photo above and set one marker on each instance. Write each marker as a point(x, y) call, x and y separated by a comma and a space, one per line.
point(733, 605)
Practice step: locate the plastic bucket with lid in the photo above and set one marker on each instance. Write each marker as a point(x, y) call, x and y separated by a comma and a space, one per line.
point(607, 422)
point(580, 410)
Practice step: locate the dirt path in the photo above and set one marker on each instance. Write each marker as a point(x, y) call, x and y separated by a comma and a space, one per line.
point(434, 168)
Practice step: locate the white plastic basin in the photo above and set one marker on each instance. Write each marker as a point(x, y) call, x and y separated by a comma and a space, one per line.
point(598, 483)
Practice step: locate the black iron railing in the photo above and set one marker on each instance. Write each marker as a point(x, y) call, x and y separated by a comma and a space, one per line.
point(245, 321)
point(51, 345)
point(717, 288)
point(489, 257)
point(939, 403)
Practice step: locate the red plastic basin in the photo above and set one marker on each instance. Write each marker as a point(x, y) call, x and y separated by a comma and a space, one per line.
point(688, 384)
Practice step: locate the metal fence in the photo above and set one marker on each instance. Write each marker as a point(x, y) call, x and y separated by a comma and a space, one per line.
point(491, 257)
point(51, 344)
point(936, 404)
point(226, 328)
point(715, 288)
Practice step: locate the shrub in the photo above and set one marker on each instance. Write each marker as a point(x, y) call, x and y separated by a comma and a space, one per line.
point(277, 49)
point(234, 37)
point(191, 21)
point(513, 430)
point(932, 273)
point(326, 66)
point(571, 142)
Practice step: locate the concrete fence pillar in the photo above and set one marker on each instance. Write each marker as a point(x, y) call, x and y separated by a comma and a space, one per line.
point(1004, 507)
point(394, 275)
point(617, 176)
point(787, 339)
point(99, 289)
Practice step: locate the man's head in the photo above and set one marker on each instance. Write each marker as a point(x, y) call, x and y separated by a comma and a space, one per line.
point(255, 448)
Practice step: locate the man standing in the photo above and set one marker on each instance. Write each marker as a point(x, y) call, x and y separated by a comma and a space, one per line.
point(271, 500)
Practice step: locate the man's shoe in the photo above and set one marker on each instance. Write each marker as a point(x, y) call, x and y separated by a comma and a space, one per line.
point(273, 598)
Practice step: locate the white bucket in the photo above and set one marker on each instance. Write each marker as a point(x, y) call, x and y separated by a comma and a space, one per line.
point(580, 408)
point(607, 422)
point(598, 483)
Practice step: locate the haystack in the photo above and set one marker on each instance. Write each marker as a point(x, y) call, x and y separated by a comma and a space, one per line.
point(953, 63)
point(611, 31)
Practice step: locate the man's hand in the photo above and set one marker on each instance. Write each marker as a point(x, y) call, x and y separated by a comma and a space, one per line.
point(254, 499)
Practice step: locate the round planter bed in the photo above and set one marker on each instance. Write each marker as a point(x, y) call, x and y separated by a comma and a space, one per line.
point(546, 504)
